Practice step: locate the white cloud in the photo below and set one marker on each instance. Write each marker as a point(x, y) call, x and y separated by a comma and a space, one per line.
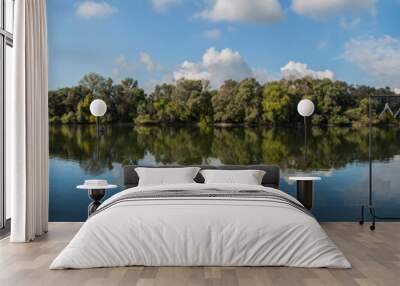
point(216, 66)
point(377, 57)
point(211, 34)
point(396, 90)
point(163, 5)
point(148, 62)
point(123, 68)
point(248, 11)
point(321, 9)
point(92, 9)
point(161, 78)
point(296, 70)
point(261, 75)
point(150, 85)
point(190, 70)
point(349, 24)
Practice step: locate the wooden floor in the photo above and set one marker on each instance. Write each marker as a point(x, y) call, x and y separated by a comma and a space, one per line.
point(375, 257)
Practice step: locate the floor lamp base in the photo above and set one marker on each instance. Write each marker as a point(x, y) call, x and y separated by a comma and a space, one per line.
point(374, 217)
point(371, 210)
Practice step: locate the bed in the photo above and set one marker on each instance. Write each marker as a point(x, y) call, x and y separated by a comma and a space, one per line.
point(197, 224)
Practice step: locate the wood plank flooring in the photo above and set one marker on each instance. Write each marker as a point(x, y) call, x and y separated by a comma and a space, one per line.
point(375, 257)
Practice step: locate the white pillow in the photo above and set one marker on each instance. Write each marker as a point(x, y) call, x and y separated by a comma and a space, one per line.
point(248, 177)
point(166, 176)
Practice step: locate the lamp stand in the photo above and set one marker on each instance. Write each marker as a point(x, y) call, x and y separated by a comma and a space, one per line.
point(97, 137)
point(305, 141)
point(97, 126)
point(369, 206)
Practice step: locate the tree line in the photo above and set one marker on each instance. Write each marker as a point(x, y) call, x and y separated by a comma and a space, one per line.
point(235, 102)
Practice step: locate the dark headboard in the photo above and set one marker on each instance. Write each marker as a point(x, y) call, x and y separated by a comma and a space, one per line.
point(270, 179)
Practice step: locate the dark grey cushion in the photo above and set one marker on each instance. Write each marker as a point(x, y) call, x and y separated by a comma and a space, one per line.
point(270, 179)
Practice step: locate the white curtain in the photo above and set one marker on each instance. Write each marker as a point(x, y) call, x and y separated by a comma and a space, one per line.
point(27, 124)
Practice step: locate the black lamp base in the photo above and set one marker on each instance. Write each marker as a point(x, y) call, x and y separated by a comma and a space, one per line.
point(305, 191)
point(96, 195)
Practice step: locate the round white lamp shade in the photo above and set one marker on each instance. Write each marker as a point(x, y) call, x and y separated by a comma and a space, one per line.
point(305, 107)
point(98, 107)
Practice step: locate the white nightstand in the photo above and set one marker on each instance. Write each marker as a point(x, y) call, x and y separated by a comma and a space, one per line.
point(305, 186)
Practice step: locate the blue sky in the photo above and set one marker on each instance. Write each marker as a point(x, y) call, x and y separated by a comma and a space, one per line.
point(157, 41)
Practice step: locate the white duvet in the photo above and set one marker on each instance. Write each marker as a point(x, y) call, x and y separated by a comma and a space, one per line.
point(202, 232)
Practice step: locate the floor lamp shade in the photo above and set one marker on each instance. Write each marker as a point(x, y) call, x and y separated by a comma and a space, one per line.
point(305, 107)
point(98, 107)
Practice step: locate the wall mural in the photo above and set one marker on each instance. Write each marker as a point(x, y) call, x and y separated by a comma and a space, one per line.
point(185, 83)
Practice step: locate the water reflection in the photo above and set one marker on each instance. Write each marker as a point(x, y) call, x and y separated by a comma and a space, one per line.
point(338, 154)
point(327, 148)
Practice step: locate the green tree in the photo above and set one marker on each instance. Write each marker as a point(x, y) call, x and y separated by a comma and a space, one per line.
point(279, 104)
point(223, 105)
point(244, 102)
point(248, 98)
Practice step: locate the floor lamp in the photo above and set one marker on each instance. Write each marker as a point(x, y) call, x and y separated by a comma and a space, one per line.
point(98, 108)
point(369, 205)
point(305, 108)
